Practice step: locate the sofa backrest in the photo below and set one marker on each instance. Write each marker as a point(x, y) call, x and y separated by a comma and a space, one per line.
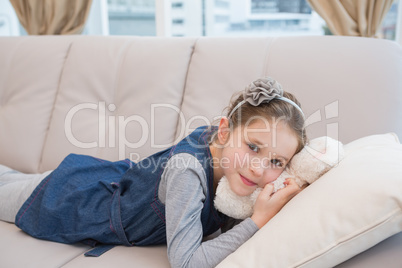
point(119, 97)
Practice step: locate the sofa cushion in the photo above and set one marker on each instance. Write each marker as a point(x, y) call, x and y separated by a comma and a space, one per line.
point(350, 209)
point(153, 256)
point(21, 250)
point(28, 86)
point(117, 96)
point(329, 82)
point(385, 254)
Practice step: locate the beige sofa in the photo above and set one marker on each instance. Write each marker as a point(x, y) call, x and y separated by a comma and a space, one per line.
point(128, 97)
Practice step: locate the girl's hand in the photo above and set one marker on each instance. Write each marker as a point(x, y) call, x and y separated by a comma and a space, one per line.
point(268, 205)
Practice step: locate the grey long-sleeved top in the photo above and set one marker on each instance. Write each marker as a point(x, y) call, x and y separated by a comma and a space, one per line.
point(182, 190)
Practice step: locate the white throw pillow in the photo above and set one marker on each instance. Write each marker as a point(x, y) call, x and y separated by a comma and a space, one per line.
point(348, 210)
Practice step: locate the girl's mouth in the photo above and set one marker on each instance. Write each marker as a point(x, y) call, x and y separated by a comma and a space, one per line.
point(247, 181)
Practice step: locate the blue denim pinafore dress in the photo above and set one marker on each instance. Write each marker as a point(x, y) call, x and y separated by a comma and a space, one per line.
point(103, 203)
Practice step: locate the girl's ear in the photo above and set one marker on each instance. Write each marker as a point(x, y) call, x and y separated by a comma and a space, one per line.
point(224, 130)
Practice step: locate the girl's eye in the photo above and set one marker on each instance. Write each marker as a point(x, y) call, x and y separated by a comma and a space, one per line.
point(253, 148)
point(277, 163)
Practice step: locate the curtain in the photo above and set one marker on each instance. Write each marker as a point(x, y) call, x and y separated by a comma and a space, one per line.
point(42, 17)
point(352, 17)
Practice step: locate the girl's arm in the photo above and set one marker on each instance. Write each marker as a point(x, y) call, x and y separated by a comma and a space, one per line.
point(183, 190)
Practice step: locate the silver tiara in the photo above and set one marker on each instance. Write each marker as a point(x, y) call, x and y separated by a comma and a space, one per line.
point(264, 90)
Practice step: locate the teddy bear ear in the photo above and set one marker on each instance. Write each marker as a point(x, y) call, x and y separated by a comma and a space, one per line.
point(326, 149)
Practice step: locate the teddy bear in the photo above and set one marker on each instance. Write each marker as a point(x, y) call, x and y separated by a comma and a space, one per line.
point(314, 160)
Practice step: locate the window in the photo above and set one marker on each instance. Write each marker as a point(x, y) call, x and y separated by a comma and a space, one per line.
point(131, 17)
point(264, 6)
point(272, 18)
point(178, 21)
point(205, 17)
point(222, 18)
point(388, 27)
point(177, 5)
point(222, 4)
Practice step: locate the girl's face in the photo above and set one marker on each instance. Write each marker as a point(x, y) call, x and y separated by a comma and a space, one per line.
point(252, 156)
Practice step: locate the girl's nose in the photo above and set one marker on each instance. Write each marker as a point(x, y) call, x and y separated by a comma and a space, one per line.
point(257, 167)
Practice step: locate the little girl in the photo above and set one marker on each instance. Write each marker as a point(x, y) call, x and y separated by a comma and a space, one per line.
point(168, 197)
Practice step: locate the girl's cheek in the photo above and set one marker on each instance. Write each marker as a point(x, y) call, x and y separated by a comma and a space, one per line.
point(274, 174)
point(242, 160)
point(225, 162)
point(228, 159)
